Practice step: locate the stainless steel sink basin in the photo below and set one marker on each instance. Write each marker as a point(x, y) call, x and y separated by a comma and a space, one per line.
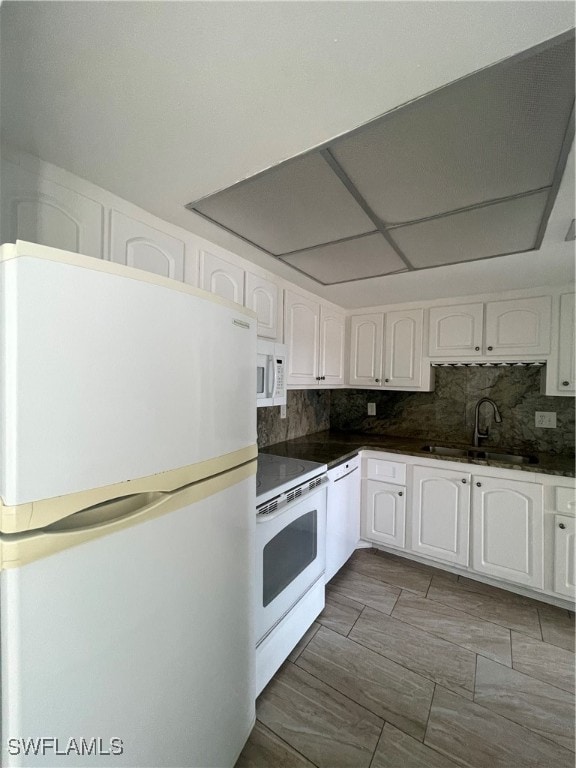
point(442, 451)
point(480, 453)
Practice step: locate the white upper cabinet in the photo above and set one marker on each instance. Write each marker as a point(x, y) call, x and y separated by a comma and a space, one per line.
point(332, 347)
point(441, 513)
point(366, 341)
point(302, 336)
point(507, 531)
point(566, 362)
point(315, 336)
point(456, 330)
point(41, 211)
point(519, 326)
point(261, 296)
point(221, 277)
point(136, 244)
point(403, 348)
point(511, 328)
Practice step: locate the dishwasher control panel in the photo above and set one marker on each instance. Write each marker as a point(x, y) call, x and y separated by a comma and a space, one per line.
point(336, 473)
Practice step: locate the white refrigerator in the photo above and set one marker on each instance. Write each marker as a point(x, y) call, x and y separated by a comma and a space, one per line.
point(127, 515)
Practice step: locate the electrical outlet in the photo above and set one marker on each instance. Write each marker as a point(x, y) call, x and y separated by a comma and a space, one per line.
point(545, 419)
point(282, 411)
point(371, 409)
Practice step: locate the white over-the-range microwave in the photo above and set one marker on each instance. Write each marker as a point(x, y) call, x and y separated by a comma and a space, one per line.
point(271, 374)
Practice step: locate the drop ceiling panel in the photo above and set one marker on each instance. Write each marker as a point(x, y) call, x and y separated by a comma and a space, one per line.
point(493, 230)
point(491, 135)
point(354, 259)
point(297, 205)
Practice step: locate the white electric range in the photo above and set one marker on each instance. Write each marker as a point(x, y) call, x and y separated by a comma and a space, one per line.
point(290, 556)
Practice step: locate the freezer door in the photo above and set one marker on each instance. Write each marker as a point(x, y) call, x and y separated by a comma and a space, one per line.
point(110, 374)
point(140, 641)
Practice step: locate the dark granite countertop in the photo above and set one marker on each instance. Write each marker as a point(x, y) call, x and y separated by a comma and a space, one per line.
point(331, 447)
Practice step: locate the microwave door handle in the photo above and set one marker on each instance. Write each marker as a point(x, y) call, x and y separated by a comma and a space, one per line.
point(271, 365)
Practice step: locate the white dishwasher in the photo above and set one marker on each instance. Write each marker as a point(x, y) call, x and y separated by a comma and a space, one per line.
point(343, 514)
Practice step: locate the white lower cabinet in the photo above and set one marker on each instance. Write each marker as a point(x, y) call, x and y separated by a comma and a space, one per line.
point(507, 536)
point(384, 513)
point(565, 555)
point(441, 513)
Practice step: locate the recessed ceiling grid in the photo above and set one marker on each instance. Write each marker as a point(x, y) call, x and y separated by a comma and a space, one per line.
point(467, 172)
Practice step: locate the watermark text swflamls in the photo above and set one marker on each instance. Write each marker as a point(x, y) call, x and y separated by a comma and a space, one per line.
point(52, 745)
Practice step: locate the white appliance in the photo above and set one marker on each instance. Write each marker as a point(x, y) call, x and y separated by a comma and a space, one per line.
point(127, 489)
point(342, 514)
point(290, 556)
point(271, 373)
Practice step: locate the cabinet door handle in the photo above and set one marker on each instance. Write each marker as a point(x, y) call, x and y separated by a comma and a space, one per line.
point(479, 485)
point(386, 380)
point(400, 493)
point(565, 383)
point(377, 381)
point(476, 349)
point(561, 525)
point(464, 480)
point(490, 349)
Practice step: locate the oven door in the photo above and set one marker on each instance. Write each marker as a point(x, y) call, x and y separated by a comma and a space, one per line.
point(290, 558)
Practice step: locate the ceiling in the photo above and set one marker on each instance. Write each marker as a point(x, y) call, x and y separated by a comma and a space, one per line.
point(164, 103)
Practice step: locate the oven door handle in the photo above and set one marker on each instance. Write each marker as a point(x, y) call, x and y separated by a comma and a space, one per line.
point(266, 518)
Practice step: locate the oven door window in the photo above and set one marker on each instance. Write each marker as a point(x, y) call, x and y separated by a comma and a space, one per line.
point(288, 554)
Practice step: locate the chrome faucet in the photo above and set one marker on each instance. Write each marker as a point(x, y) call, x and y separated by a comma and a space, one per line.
point(497, 419)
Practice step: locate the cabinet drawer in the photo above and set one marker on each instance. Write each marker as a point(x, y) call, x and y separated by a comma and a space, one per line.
point(381, 469)
point(565, 500)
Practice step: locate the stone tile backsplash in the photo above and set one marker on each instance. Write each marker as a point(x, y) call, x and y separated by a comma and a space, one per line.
point(447, 414)
point(307, 411)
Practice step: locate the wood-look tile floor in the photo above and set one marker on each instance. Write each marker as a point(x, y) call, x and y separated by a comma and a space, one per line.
point(412, 667)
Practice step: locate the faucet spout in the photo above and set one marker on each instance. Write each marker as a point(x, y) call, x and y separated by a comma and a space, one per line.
point(497, 418)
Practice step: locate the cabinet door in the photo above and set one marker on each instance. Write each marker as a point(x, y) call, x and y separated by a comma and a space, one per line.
point(441, 513)
point(566, 362)
point(138, 245)
point(332, 341)
point(456, 331)
point(221, 277)
point(403, 348)
point(301, 334)
point(508, 530)
point(366, 332)
point(261, 295)
point(40, 211)
point(518, 326)
point(384, 513)
point(564, 555)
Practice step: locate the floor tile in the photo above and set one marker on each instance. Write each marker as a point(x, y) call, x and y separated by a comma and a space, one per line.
point(266, 750)
point(557, 627)
point(543, 661)
point(398, 750)
point(395, 571)
point(318, 721)
point(471, 585)
point(365, 590)
point(455, 626)
point(303, 642)
point(473, 736)
point(496, 608)
point(386, 688)
point(340, 613)
point(542, 708)
point(430, 656)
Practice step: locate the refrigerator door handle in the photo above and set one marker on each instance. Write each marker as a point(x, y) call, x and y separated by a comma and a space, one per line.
point(107, 514)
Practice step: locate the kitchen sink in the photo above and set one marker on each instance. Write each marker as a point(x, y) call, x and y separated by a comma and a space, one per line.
point(480, 453)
